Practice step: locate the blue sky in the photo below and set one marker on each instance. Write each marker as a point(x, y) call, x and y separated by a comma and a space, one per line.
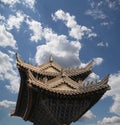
point(74, 32)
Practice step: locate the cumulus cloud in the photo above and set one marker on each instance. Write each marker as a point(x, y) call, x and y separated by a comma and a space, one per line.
point(36, 29)
point(2, 18)
point(116, 105)
point(87, 116)
point(114, 93)
point(103, 44)
point(29, 3)
point(8, 72)
point(76, 31)
point(15, 21)
point(115, 120)
point(7, 104)
point(60, 47)
point(6, 38)
point(92, 78)
point(98, 61)
point(10, 2)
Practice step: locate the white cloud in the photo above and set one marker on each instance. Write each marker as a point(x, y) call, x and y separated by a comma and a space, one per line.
point(96, 13)
point(2, 18)
point(105, 24)
point(113, 4)
point(98, 61)
point(114, 81)
point(103, 44)
point(60, 47)
point(7, 104)
point(29, 3)
point(115, 120)
point(87, 116)
point(15, 21)
point(6, 38)
point(116, 105)
point(8, 72)
point(92, 78)
point(10, 2)
point(36, 29)
point(76, 31)
point(100, 44)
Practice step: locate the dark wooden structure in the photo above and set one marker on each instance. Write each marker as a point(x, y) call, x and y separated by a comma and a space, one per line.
point(52, 95)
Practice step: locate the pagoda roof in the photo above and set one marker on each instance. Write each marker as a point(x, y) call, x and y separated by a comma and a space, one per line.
point(51, 68)
point(77, 71)
point(48, 91)
point(53, 85)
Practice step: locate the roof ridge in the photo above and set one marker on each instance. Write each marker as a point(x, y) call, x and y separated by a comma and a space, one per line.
point(76, 71)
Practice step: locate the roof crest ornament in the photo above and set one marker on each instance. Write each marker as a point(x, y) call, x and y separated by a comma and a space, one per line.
point(63, 73)
point(51, 58)
point(18, 58)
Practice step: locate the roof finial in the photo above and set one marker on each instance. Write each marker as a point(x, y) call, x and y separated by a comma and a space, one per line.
point(18, 58)
point(51, 58)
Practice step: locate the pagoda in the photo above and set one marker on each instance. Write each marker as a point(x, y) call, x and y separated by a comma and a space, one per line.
point(52, 95)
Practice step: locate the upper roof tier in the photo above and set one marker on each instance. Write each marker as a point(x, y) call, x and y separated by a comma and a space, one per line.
point(62, 84)
point(51, 68)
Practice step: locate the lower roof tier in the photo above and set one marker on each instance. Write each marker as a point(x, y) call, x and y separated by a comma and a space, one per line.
point(40, 107)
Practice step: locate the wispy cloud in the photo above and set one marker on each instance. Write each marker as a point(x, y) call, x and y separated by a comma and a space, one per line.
point(7, 104)
point(106, 23)
point(113, 4)
point(103, 44)
point(98, 61)
point(96, 9)
point(96, 13)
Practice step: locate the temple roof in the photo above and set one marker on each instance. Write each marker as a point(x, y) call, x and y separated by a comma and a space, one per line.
point(51, 94)
point(62, 82)
point(73, 72)
point(51, 68)
point(72, 87)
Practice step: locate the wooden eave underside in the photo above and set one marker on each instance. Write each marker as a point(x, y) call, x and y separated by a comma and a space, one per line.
point(42, 68)
point(99, 90)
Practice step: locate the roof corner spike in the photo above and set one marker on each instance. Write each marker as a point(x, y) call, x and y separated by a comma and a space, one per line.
point(51, 58)
point(18, 58)
point(90, 65)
